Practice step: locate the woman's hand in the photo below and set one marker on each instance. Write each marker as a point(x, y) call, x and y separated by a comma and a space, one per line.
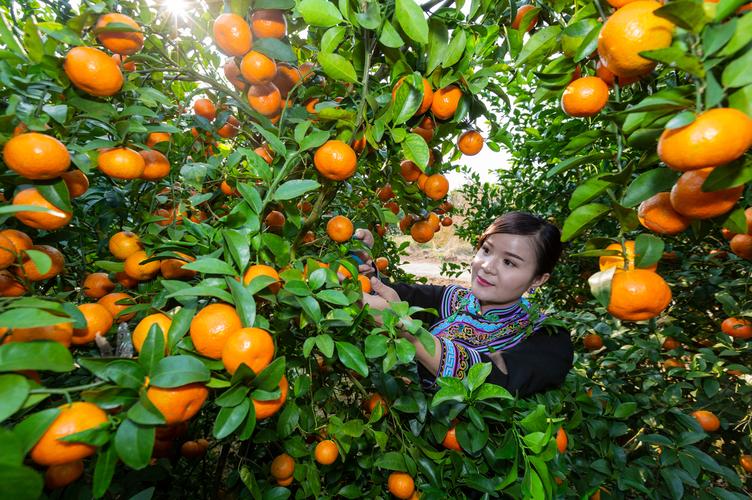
point(380, 299)
point(365, 236)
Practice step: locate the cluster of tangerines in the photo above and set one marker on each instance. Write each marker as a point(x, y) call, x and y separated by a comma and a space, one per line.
point(19, 270)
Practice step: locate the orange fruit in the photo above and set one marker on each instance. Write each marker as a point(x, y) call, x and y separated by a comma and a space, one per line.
point(121, 163)
point(93, 71)
point(206, 108)
point(746, 462)
point(617, 261)
point(232, 73)
point(265, 98)
point(230, 129)
point(228, 190)
point(192, 449)
point(110, 302)
point(422, 231)
point(252, 347)
point(365, 284)
point(592, 342)
point(585, 97)
point(618, 3)
point(450, 440)
point(169, 216)
point(630, 30)
point(707, 420)
point(561, 440)
point(119, 42)
point(61, 333)
point(446, 221)
point(263, 270)
point(257, 68)
point(377, 399)
point(409, 171)
point(671, 343)
point(211, 328)
point(125, 280)
point(73, 418)
point(381, 263)
point(326, 452)
point(470, 143)
point(29, 270)
point(265, 409)
point(426, 134)
point(36, 156)
point(385, 192)
point(269, 23)
point(310, 105)
point(427, 100)
point(339, 228)
point(98, 322)
point(156, 165)
point(8, 252)
point(9, 287)
point(524, 9)
point(434, 221)
point(283, 466)
point(172, 269)
point(688, 199)
point(657, 214)
point(335, 160)
point(741, 245)
point(264, 153)
point(76, 182)
point(716, 137)
point(53, 218)
point(401, 485)
point(445, 102)
point(142, 330)
point(436, 186)
point(672, 363)
point(232, 34)
point(59, 476)
point(123, 63)
point(275, 221)
point(178, 404)
point(638, 295)
point(136, 268)
point(740, 328)
point(124, 244)
point(12, 245)
point(285, 482)
point(155, 138)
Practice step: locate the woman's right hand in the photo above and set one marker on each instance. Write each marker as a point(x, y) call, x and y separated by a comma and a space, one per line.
point(380, 299)
point(365, 236)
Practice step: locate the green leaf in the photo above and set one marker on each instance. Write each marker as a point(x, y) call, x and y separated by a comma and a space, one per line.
point(742, 100)
point(681, 120)
point(57, 194)
point(352, 358)
point(649, 250)
point(104, 470)
point(741, 38)
point(375, 346)
point(275, 49)
point(415, 149)
point(727, 7)
point(153, 349)
point(540, 44)
point(332, 296)
point(313, 140)
point(407, 99)
point(325, 344)
point(181, 322)
point(455, 49)
point(134, 444)
point(371, 18)
point(389, 36)
point(450, 392)
point(125, 373)
point(288, 420)
point(332, 38)
point(245, 304)
point(676, 58)
point(294, 189)
point(477, 374)
point(27, 317)
point(575, 161)
point(491, 391)
point(410, 17)
point(321, 13)
point(588, 191)
point(625, 410)
point(648, 184)
point(44, 355)
point(684, 13)
point(229, 419)
point(14, 389)
point(268, 379)
point(20, 481)
point(737, 73)
point(581, 218)
point(733, 174)
point(210, 265)
point(391, 460)
point(174, 371)
point(337, 67)
point(438, 38)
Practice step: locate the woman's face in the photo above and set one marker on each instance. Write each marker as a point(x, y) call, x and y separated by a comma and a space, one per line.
point(503, 269)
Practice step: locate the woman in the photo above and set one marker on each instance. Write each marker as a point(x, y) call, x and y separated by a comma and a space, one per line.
point(490, 321)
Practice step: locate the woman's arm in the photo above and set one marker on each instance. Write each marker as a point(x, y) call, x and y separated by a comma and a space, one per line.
point(429, 361)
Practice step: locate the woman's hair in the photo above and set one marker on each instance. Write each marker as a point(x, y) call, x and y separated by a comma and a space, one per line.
point(546, 237)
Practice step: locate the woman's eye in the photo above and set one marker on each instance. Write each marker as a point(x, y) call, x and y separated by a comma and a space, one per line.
point(508, 262)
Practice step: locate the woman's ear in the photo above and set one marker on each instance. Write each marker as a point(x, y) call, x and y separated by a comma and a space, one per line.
point(540, 280)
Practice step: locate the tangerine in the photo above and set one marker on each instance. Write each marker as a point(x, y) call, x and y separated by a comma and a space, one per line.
point(178, 404)
point(585, 97)
point(232, 34)
point(98, 322)
point(638, 294)
point(73, 418)
point(688, 198)
point(211, 328)
point(36, 156)
point(340, 228)
point(141, 331)
point(93, 71)
point(657, 214)
point(119, 42)
point(252, 347)
point(121, 163)
point(52, 218)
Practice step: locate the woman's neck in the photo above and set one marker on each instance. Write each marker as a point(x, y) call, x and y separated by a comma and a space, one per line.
point(487, 306)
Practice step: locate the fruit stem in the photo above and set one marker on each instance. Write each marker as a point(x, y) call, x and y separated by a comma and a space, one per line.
point(66, 390)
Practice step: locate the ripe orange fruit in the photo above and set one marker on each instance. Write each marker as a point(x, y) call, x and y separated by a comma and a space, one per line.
point(172, 269)
point(716, 137)
point(618, 3)
point(520, 14)
point(283, 466)
point(340, 228)
point(740, 328)
point(8, 253)
point(73, 418)
point(136, 268)
point(707, 420)
point(275, 221)
point(98, 322)
point(672, 363)
point(156, 165)
point(746, 462)
point(61, 333)
point(93, 71)
point(192, 449)
point(385, 192)
point(401, 485)
point(53, 218)
point(124, 244)
point(630, 30)
point(436, 186)
point(142, 329)
point(585, 97)
point(381, 263)
point(30, 270)
point(671, 343)
point(119, 42)
point(232, 73)
point(110, 302)
point(252, 347)
point(230, 129)
point(434, 221)
point(638, 294)
point(36, 156)
point(427, 100)
point(657, 214)
point(9, 287)
point(285, 482)
point(265, 98)
point(232, 34)
point(409, 170)
point(450, 440)
point(335, 160)
point(263, 270)
point(59, 476)
point(422, 231)
point(617, 261)
point(228, 190)
point(121, 163)
point(206, 108)
point(269, 23)
point(446, 221)
point(326, 452)
point(211, 328)
point(76, 182)
point(155, 138)
point(365, 284)
point(265, 409)
point(264, 153)
point(123, 63)
point(470, 143)
point(445, 102)
point(12, 245)
point(688, 198)
point(125, 280)
point(592, 342)
point(310, 105)
point(257, 68)
point(561, 440)
point(178, 404)
point(741, 245)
